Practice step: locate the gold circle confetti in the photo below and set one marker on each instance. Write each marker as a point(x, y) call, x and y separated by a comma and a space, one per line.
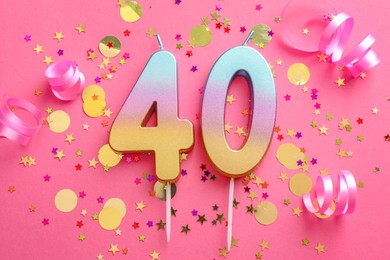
point(110, 46)
point(65, 200)
point(109, 157)
point(117, 204)
point(110, 218)
point(298, 74)
point(300, 184)
point(266, 213)
point(288, 155)
point(200, 36)
point(323, 216)
point(130, 11)
point(160, 190)
point(260, 35)
point(94, 106)
point(59, 121)
point(94, 90)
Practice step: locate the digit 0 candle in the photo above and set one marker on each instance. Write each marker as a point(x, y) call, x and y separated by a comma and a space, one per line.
point(249, 63)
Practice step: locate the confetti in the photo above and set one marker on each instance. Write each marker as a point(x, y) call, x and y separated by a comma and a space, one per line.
point(266, 213)
point(58, 121)
point(110, 46)
point(288, 155)
point(65, 200)
point(130, 11)
point(298, 74)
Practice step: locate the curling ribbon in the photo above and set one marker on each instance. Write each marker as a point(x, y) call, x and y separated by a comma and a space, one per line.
point(344, 196)
point(65, 79)
point(11, 126)
point(334, 40)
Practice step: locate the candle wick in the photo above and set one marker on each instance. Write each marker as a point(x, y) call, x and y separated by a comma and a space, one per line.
point(248, 38)
point(159, 42)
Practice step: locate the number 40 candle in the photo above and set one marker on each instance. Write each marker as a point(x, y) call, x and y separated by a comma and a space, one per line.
point(156, 90)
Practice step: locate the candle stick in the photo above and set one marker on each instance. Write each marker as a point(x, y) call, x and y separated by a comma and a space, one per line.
point(155, 89)
point(249, 63)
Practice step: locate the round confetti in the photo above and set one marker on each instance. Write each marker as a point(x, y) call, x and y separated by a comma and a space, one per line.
point(160, 191)
point(109, 157)
point(130, 11)
point(110, 218)
point(323, 216)
point(261, 35)
point(59, 121)
point(200, 36)
point(117, 204)
point(94, 90)
point(266, 213)
point(300, 184)
point(94, 106)
point(298, 74)
point(65, 200)
point(288, 155)
point(110, 46)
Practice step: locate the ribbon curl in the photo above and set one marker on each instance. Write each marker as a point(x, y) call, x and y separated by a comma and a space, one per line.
point(65, 79)
point(12, 127)
point(325, 194)
point(334, 41)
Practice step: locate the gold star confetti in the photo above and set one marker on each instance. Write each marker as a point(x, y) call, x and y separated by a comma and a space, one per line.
point(291, 132)
point(69, 138)
point(38, 49)
point(100, 257)
point(215, 16)
point(305, 31)
point(114, 249)
point(83, 212)
point(228, 127)
point(140, 206)
point(340, 82)
point(58, 36)
point(183, 156)
point(283, 177)
point(323, 130)
point(155, 255)
point(258, 181)
point(59, 155)
point(264, 245)
point(320, 248)
point(297, 211)
point(230, 99)
point(252, 195)
point(80, 28)
point(223, 252)
point(107, 113)
point(151, 32)
point(47, 60)
point(239, 131)
point(234, 242)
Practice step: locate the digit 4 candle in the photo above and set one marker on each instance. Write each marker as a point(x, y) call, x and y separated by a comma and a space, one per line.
point(155, 91)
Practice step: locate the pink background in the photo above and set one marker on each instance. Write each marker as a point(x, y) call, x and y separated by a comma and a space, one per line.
point(362, 235)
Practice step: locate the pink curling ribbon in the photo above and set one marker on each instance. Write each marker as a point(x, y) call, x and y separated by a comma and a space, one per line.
point(334, 40)
point(65, 79)
point(344, 196)
point(12, 127)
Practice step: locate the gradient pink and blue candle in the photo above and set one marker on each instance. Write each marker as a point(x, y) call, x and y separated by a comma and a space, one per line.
point(155, 89)
point(249, 63)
